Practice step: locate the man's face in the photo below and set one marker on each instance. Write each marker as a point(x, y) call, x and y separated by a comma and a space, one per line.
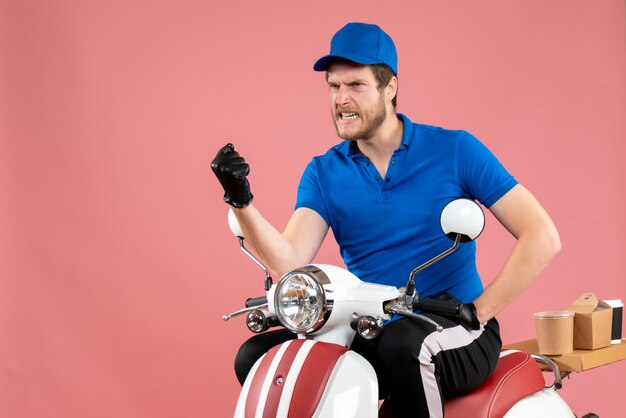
point(357, 107)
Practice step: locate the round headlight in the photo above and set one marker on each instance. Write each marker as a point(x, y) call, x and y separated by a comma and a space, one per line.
point(300, 301)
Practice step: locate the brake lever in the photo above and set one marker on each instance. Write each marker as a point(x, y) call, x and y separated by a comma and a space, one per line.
point(243, 311)
point(400, 309)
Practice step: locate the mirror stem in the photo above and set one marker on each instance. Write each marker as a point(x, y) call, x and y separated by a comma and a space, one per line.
point(268, 278)
point(410, 286)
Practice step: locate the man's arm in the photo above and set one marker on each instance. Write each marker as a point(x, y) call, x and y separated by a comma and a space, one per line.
point(300, 241)
point(537, 243)
point(295, 247)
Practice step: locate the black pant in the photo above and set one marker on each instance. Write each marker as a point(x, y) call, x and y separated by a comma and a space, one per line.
point(416, 366)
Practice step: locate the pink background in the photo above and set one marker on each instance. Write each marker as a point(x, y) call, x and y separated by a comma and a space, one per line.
point(116, 263)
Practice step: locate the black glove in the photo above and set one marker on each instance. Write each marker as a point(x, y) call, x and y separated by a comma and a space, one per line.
point(450, 307)
point(468, 317)
point(231, 170)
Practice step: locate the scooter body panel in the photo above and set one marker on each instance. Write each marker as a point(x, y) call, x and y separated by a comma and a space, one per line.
point(352, 390)
point(305, 378)
point(543, 404)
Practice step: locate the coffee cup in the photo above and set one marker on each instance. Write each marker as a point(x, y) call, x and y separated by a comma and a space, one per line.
point(555, 332)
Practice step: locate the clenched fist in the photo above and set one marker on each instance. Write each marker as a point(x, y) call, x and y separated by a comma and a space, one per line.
point(231, 170)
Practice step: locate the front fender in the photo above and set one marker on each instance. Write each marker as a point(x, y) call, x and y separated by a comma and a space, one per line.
point(306, 378)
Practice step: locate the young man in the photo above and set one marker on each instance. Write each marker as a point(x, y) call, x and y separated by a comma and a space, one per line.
point(381, 191)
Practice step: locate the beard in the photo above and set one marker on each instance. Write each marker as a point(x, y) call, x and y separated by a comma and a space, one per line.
point(371, 120)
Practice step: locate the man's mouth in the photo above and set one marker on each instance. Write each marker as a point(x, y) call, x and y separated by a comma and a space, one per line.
point(348, 115)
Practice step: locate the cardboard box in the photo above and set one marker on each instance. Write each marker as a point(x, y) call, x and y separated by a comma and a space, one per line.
point(592, 322)
point(578, 360)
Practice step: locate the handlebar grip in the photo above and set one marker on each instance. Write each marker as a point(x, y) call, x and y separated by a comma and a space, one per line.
point(438, 306)
point(251, 302)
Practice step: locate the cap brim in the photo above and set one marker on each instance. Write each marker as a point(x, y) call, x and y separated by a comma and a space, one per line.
point(323, 63)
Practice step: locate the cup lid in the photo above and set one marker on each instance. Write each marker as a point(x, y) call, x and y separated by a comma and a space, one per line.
point(553, 314)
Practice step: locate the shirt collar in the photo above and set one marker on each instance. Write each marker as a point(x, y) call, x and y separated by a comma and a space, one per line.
point(348, 147)
point(407, 130)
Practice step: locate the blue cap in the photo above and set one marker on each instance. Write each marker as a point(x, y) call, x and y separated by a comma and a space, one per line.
point(362, 43)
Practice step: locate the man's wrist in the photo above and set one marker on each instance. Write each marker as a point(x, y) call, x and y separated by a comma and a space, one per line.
point(482, 316)
point(238, 205)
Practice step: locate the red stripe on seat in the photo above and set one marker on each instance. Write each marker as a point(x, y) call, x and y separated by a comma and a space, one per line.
point(276, 389)
point(313, 378)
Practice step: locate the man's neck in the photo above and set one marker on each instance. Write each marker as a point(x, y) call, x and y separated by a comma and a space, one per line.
point(385, 141)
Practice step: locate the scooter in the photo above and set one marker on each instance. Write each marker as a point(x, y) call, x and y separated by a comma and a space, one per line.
point(316, 375)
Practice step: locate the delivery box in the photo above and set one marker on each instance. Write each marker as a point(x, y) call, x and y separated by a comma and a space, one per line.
point(592, 322)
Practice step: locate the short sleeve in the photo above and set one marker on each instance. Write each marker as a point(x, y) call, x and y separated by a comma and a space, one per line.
point(310, 194)
point(480, 173)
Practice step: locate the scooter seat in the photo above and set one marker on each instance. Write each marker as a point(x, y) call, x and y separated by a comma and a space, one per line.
point(516, 376)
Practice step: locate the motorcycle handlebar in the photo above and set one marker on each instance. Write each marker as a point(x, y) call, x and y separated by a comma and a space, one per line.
point(438, 306)
point(251, 302)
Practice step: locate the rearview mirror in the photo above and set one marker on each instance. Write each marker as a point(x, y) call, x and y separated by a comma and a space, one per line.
point(233, 223)
point(463, 217)
point(235, 228)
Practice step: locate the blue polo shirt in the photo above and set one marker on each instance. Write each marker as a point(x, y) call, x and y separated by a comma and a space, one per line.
point(385, 227)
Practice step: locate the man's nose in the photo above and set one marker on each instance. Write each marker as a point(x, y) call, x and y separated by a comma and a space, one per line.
point(342, 97)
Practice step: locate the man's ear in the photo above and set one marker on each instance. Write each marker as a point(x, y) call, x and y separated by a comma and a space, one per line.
point(392, 89)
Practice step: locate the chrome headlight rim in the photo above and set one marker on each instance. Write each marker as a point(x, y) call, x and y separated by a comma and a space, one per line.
point(324, 286)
